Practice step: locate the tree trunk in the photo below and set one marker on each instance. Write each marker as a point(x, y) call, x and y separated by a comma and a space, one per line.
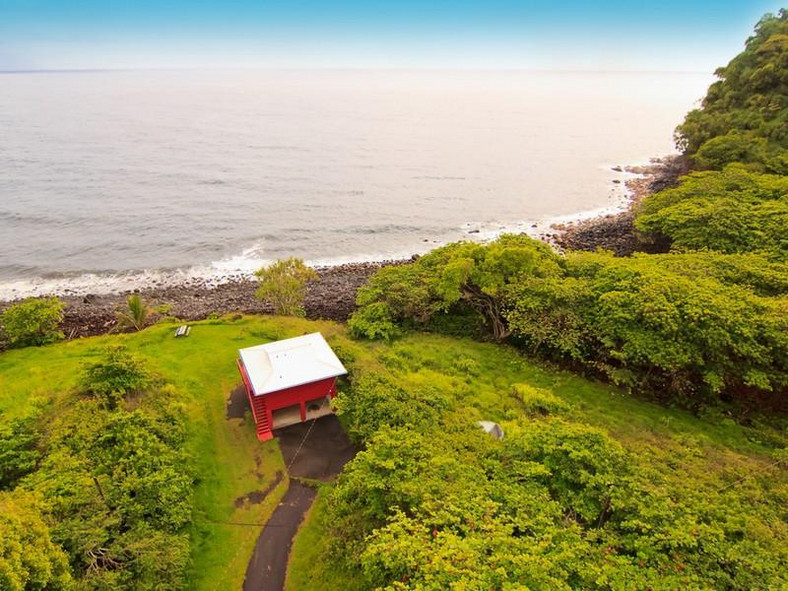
point(489, 308)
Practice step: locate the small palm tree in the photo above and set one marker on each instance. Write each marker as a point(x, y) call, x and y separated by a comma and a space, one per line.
point(135, 315)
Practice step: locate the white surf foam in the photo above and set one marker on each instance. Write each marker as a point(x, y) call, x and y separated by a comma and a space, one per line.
point(244, 264)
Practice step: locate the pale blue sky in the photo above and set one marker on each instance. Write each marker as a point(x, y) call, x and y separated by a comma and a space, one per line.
point(540, 34)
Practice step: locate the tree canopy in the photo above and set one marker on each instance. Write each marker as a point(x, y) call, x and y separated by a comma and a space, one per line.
point(744, 116)
point(283, 285)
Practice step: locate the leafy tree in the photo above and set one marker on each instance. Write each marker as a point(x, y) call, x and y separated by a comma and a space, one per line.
point(115, 375)
point(283, 285)
point(466, 274)
point(33, 322)
point(28, 557)
point(136, 314)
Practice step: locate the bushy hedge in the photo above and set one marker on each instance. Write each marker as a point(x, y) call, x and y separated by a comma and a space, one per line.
point(686, 327)
point(732, 211)
point(32, 322)
point(662, 328)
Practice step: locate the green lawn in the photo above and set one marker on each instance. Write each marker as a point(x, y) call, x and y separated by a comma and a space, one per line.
point(230, 462)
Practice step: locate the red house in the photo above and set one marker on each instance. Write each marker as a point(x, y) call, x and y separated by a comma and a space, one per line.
point(289, 381)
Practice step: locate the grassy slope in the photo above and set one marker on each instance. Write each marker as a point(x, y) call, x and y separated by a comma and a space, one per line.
point(231, 463)
point(712, 452)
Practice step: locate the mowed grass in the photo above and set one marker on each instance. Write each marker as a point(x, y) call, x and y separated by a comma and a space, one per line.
point(230, 462)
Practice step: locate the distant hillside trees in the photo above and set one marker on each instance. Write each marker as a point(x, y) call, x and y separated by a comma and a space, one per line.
point(744, 116)
point(739, 138)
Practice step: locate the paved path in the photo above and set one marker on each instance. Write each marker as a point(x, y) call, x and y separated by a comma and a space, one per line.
point(267, 569)
point(323, 454)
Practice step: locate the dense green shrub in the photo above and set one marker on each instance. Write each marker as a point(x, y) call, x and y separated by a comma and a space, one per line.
point(374, 400)
point(19, 453)
point(580, 465)
point(464, 274)
point(283, 285)
point(33, 322)
point(115, 375)
point(732, 211)
point(28, 557)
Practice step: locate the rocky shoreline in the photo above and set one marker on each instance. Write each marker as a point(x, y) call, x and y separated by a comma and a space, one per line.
point(333, 295)
point(616, 232)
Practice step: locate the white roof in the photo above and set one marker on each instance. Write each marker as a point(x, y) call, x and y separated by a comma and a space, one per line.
point(291, 362)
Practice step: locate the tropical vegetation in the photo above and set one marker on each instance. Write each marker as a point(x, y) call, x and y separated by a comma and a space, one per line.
point(32, 322)
point(121, 469)
point(283, 285)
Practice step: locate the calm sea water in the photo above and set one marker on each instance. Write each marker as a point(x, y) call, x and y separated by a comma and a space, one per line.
point(111, 178)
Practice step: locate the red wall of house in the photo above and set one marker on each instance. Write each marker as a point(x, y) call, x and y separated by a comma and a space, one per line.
point(263, 406)
point(298, 394)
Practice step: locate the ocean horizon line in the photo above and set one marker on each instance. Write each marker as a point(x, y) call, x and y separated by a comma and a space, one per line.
point(351, 69)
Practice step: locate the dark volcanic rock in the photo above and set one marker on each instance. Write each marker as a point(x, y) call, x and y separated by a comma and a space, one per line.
point(617, 232)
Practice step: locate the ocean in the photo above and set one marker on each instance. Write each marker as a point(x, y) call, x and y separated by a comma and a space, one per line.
point(111, 179)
